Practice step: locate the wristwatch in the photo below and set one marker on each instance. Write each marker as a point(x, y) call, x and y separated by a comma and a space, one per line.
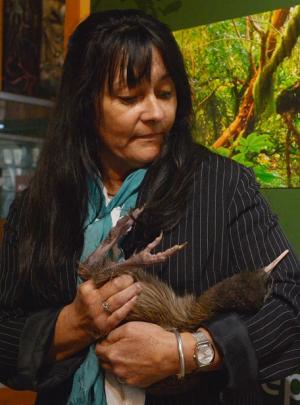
point(204, 352)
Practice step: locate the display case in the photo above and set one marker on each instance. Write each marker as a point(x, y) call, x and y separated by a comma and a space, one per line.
point(33, 37)
point(23, 125)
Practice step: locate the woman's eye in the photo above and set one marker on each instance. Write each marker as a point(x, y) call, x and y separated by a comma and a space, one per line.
point(128, 99)
point(166, 95)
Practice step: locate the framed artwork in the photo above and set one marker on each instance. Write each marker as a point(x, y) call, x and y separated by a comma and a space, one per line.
point(33, 46)
point(21, 46)
point(52, 47)
point(245, 75)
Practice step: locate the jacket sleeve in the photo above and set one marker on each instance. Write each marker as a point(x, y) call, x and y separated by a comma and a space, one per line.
point(264, 346)
point(25, 336)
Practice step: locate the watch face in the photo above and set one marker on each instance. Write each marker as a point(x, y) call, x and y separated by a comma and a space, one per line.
point(204, 351)
point(205, 354)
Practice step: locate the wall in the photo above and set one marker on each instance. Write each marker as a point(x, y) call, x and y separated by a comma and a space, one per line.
point(286, 204)
point(187, 13)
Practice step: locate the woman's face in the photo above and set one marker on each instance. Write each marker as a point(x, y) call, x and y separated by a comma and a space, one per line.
point(134, 122)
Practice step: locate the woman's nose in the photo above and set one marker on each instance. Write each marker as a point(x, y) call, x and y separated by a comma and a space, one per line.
point(153, 110)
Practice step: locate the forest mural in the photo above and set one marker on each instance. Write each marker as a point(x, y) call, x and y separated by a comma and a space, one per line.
point(245, 75)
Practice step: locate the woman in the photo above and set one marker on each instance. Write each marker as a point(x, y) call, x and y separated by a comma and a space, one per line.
point(121, 137)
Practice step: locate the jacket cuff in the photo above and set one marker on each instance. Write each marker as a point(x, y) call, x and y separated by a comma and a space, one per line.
point(239, 359)
point(35, 342)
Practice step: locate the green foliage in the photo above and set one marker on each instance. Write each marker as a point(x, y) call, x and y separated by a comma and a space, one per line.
point(219, 60)
point(221, 151)
point(250, 149)
point(217, 64)
point(242, 158)
point(254, 144)
point(297, 123)
point(268, 178)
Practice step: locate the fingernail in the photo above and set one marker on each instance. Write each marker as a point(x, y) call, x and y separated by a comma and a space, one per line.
point(127, 277)
point(139, 287)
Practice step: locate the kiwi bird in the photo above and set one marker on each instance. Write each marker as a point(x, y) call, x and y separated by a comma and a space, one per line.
point(157, 303)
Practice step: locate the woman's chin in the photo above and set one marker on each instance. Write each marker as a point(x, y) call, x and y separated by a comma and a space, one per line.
point(147, 160)
point(146, 157)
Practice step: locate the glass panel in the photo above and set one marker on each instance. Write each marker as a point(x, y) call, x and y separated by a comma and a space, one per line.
point(23, 124)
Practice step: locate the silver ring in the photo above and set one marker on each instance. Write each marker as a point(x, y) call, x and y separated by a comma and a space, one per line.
point(106, 307)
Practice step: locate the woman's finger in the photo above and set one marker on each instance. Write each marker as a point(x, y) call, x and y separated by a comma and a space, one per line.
point(115, 285)
point(120, 314)
point(117, 300)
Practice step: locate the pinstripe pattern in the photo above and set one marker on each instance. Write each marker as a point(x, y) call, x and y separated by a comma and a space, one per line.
point(229, 228)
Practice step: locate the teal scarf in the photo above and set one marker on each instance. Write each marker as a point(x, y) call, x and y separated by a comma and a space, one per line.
point(88, 382)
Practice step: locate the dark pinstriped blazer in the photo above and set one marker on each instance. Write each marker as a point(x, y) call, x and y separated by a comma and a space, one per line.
point(229, 228)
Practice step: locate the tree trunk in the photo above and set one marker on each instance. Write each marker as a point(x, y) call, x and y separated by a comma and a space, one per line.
point(278, 19)
point(263, 88)
point(245, 114)
point(243, 118)
point(289, 120)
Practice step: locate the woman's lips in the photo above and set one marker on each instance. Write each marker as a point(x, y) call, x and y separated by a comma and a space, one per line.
point(150, 135)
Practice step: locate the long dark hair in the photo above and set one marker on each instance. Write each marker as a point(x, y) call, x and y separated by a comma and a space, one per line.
point(56, 201)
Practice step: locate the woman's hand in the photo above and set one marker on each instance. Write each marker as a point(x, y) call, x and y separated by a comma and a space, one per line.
point(85, 319)
point(89, 315)
point(139, 353)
